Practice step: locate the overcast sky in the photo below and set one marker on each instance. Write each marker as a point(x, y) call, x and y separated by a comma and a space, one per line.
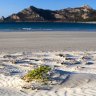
point(7, 7)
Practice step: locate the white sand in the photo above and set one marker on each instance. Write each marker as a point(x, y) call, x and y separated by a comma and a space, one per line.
point(48, 48)
point(81, 80)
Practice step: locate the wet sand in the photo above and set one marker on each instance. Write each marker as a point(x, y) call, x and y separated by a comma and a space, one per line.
point(35, 41)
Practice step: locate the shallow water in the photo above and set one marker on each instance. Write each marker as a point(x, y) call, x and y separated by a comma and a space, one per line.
point(46, 26)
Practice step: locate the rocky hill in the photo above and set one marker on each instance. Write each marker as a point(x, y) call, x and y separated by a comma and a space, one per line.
point(33, 14)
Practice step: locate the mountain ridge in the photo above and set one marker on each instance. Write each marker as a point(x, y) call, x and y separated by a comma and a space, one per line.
point(33, 14)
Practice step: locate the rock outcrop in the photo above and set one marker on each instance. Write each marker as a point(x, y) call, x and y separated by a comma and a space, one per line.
point(33, 14)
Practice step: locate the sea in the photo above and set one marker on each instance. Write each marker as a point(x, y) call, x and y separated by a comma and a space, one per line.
point(46, 26)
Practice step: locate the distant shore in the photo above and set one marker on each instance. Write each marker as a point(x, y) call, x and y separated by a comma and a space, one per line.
point(49, 21)
point(94, 22)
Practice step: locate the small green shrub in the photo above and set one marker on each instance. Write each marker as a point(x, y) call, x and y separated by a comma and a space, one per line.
point(39, 74)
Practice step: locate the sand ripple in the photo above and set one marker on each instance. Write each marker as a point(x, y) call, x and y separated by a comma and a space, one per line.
point(71, 79)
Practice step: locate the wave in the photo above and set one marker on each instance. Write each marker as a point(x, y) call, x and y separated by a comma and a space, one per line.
point(38, 29)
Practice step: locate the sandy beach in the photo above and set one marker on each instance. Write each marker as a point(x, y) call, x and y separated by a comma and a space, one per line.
point(45, 41)
point(72, 55)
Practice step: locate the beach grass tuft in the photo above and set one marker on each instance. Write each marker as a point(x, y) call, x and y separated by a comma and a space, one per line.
point(39, 74)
